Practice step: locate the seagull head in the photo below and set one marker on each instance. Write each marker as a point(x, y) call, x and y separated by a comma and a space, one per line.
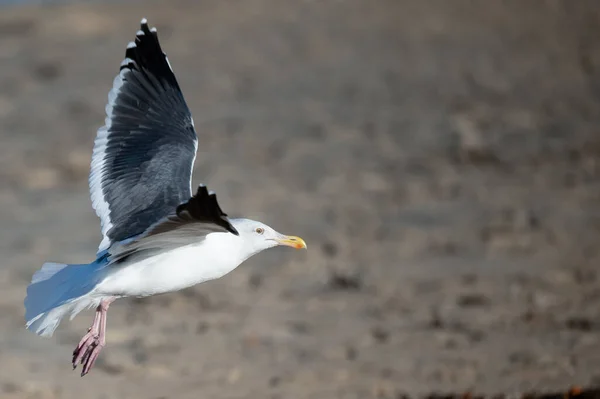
point(259, 236)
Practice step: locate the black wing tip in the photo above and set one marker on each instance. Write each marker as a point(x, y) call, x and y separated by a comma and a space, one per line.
point(145, 53)
point(144, 27)
point(146, 42)
point(204, 206)
point(145, 34)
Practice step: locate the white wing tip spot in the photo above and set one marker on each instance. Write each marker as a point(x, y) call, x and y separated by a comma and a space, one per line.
point(153, 30)
point(168, 63)
point(144, 21)
point(131, 45)
point(139, 33)
point(126, 62)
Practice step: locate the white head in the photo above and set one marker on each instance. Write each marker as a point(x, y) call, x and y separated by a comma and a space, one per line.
point(258, 236)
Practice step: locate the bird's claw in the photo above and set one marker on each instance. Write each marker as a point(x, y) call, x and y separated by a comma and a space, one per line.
point(86, 353)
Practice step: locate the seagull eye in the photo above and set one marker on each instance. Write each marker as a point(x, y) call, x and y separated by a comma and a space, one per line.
point(260, 230)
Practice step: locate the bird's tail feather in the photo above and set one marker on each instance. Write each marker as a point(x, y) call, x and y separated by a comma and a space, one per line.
point(57, 290)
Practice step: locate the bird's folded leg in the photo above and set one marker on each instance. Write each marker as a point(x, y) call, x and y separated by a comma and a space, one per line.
point(91, 344)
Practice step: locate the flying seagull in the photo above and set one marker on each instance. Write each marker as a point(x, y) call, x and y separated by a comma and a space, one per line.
point(158, 236)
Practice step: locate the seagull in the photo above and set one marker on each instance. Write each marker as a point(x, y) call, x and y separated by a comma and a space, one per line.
point(158, 235)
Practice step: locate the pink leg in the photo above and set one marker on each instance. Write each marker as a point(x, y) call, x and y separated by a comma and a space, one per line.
point(91, 344)
point(88, 338)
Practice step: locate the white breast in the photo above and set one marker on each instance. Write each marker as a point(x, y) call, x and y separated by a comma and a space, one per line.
point(217, 255)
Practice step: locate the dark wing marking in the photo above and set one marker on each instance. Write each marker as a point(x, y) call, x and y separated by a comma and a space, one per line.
point(190, 223)
point(143, 156)
point(201, 208)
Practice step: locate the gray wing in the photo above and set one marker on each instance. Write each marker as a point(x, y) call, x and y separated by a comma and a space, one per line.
point(190, 223)
point(143, 156)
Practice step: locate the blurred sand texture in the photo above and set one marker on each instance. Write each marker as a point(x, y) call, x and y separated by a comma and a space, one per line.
point(441, 159)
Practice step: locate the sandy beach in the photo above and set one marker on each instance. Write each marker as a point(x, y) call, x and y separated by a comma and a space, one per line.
point(439, 158)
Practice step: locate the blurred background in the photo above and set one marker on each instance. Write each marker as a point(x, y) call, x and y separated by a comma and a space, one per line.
point(440, 158)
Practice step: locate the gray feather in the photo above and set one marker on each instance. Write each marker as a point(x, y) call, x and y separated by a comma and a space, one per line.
point(170, 233)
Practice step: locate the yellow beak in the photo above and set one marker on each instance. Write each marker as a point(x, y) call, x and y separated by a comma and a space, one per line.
point(292, 241)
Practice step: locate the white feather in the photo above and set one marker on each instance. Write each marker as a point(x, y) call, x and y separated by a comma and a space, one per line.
point(126, 62)
point(45, 324)
point(172, 270)
point(98, 163)
point(179, 268)
point(195, 147)
point(168, 63)
point(57, 290)
point(48, 270)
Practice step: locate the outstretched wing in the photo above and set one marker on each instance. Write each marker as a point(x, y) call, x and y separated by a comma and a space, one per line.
point(189, 223)
point(143, 156)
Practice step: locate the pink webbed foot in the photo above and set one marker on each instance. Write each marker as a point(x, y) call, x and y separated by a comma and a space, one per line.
point(87, 352)
point(88, 349)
